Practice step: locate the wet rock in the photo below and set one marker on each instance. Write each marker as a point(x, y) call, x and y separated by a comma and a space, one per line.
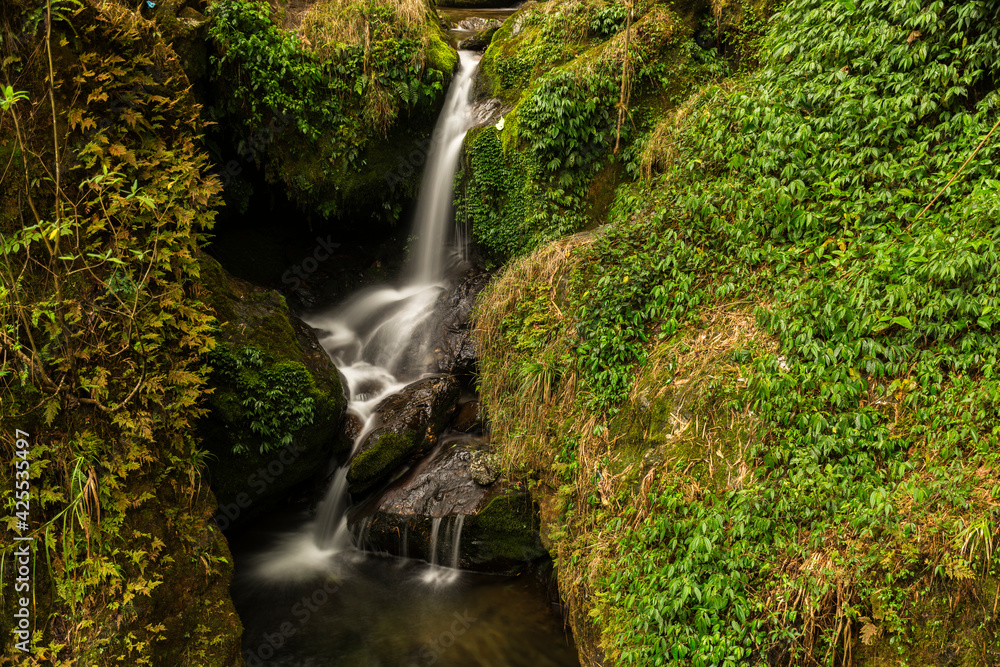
point(478, 42)
point(455, 349)
point(468, 418)
point(488, 112)
point(414, 417)
point(484, 468)
point(440, 486)
point(353, 426)
point(476, 23)
point(494, 524)
point(250, 472)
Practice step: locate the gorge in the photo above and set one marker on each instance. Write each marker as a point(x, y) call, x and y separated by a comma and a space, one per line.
point(380, 332)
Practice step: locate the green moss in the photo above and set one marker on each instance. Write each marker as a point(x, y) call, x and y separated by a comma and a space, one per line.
point(507, 528)
point(502, 67)
point(440, 56)
point(495, 195)
point(388, 452)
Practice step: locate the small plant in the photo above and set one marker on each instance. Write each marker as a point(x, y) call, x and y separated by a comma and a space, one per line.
point(273, 400)
point(9, 97)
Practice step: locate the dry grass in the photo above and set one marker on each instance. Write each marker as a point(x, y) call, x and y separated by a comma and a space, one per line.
point(328, 26)
point(329, 23)
point(701, 358)
point(522, 395)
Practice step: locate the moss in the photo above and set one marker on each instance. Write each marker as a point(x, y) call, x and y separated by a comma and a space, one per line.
point(388, 451)
point(505, 70)
point(261, 350)
point(250, 315)
point(440, 56)
point(507, 529)
point(495, 195)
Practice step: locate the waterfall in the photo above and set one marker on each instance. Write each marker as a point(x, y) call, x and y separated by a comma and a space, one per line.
point(380, 337)
point(457, 540)
point(435, 529)
point(433, 217)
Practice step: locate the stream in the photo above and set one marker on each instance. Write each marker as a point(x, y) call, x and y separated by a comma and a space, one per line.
point(307, 594)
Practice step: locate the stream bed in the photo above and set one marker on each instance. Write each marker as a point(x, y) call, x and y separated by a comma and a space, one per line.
point(357, 609)
point(307, 594)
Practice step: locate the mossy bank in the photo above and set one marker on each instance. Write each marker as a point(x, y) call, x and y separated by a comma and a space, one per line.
point(757, 402)
point(105, 202)
point(328, 100)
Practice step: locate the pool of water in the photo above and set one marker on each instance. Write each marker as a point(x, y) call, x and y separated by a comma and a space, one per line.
point(302, 607)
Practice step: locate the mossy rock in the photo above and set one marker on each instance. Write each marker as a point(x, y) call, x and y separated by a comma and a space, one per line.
point(499, 529)
point(194, 609)
point(505, 533)
point(440, 56)
point(416, 416)
point(385, 452)
point(252, 469)
point(480, 41)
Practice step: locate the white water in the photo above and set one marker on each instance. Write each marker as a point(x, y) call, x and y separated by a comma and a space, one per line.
point(456, 541)
point(437, 574)
point(433, 218)
point(380, 338)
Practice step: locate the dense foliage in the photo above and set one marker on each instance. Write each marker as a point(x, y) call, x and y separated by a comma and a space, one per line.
point(338, 84)
point(273, 403)
point(104, 201)
point(865, 432)
point(569, 138)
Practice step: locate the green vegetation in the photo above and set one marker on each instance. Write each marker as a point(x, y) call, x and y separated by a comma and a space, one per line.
point(812, 484)
point(105, 198)
point(384, 456)
point(320, 101)
point(564, 146)
point(271, 404)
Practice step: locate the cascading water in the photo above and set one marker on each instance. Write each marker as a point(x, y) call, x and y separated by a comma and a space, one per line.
point(313, 598)
point(379, 339)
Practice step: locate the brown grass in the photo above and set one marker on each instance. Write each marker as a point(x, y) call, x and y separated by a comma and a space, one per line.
point(329, 23)
point(520, 401)
point(663, 149)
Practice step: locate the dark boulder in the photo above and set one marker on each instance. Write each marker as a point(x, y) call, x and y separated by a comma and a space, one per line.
point(455, 349)
point(478, 42)
point(277, 407)
point(468, 417)
point(413, 418)
point(494, 522)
